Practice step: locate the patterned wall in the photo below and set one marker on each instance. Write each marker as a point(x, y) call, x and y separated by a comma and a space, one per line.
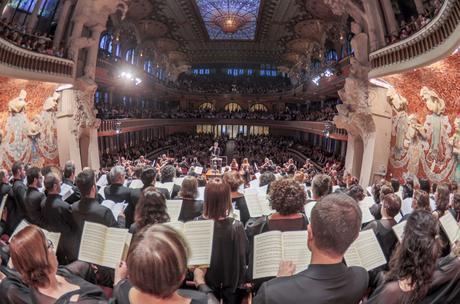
point(28, 122)
point(426, 121)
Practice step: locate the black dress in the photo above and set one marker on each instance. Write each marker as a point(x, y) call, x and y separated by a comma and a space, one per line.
point(191, 209)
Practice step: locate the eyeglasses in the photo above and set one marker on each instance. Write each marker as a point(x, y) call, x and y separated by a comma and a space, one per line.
point(50, 244)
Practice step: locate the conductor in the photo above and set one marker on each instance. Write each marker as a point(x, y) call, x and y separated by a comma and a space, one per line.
point(215, 150)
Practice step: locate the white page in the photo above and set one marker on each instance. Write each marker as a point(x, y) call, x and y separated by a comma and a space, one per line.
point(199, 235)
point(295, 249)
point(2, 205)
point(406, 206)
point(54, 237)
point(199, 170)
point(264, 203)
point(173, 209)
point(252, 202)
point(263, 190)
point(254, 183)
point(116, 208)
point(308, 208)
point(368, 201)
point(369, 190)
point(450, 226)
point(200, 196)
point(178, 181)
point(268, 253)
point(66, 191)
point(366, 214)
point(257, 175)
point(365, 251)
point(102, 181)
point(399, 230)
point(136, 184)
point(168, 186)
point(178, 226)
point(92, 243)
point(334, 188)
point(101, 192)
point(125, 183)
point(236, 214)
point(115, 239)
point(398, 217)
point(19, 227)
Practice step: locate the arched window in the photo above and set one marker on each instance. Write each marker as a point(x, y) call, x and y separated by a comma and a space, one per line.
point(258, 107)
point(331, 55)
point(130, 56)
point(106, 43)
point(148, 67)
point(232, 107)
point(206, 106)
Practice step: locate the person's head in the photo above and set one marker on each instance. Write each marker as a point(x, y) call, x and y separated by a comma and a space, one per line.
point(384, 190)
point(34, 177)
point(425, 185)
point(46, 170)
point(421, 200)
point(69, 170)
point(395, 184)
point(117, 175)
point(86, 183)
point(158, 250)
point(137, 173)
point(4, 176)
point(18, 170)
point(414, 260)
point(233, 179)
point(217, 199)
point(266, 178)
point(148, 177)
point(287, 196)
point(299, 176)
point(442, 197)
point(335, 224)
point(151, 208)
point(52, 183)
point(356, 192)
point(201, 181)
point(391, 205)
point(35, 266)
point(167, 173)
point(216, 144)
point(189, 188)
point(321, 186)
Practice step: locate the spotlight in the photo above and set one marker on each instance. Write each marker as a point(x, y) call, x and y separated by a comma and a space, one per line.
point(316, 80)
point(328, 73)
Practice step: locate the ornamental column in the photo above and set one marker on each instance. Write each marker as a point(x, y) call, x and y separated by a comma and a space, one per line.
point(32, 23)
point(63, 19)
point(390, 17)
point(91, 58)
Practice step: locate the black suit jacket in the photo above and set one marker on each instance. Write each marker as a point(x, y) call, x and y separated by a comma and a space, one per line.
point(33, 203)
point(6, 189)
point(319, 284)
point(17, 214)
point(76, 195)
point(119, 193)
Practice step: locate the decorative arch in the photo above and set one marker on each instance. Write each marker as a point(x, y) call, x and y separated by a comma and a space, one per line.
point(232, 107)
point(258, 107)
point(207, 106)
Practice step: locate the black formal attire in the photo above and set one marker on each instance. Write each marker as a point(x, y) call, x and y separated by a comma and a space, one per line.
point(455, 214)
point(76, 195)
point(33, 201)
point(119, 193)
point(18, 213)
point(444, 288)
point(376, 211)
point(201, 296)
point(191, 209)
point(215, 151)
point(174, 191)
point(7, 189)
point(87, 209)
point(239, 203)
point(12, 289)
point(319, 284)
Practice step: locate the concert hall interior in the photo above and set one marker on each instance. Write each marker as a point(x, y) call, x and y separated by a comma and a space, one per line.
point(230, 151)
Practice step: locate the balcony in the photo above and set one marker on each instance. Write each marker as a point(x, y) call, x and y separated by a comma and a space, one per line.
point(114, 127)
point(433, 42)
point(21, 63)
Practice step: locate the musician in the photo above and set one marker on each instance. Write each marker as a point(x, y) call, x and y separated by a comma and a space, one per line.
point(268, 165)
point(215, 150)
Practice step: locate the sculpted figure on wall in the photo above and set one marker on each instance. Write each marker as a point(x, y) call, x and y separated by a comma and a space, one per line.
point(400, 121)
point(415, 144)
point(454, 142)
point(47, 142)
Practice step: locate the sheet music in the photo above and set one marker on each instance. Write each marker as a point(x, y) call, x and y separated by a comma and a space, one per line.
point(268, 253)
point(308, 208)
point(398, 217)
point(199, 170)
point(199, 235)
point(168, 186)
point(295, 249)
point(257, 175)
point(450, 226)
point(136, 184)
point(102, 181)
point(252, 202)
point(406, 206)
point(92, 243)
point(200, 196)
point(173, 209)
point(116, 208)
point(368, 201)
point(2, 205)
point(115, 239)
point(178, 226)
point(334, 188)
point(66, 191)
point(178, 181)
point(399, 230)
point(369, 191)
point(54, 237)
point(19, 227)
point(254, 183)
point(365, 251)
point(101, 192)
point(366, 214)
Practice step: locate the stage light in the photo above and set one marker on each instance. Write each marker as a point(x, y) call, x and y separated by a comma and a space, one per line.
point(316, 80)
point(328, 73)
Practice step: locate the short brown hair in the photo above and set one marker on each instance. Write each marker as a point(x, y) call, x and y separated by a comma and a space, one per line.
point(384, 190)
point(189, 188)
point(233, 179)
point(392, 203)
point(217, 199)
point(33, 265)
point(423, 200)
point(442, 197)
point(287, 196)
point(321, 185)
point(158, 250)
point(335, 223)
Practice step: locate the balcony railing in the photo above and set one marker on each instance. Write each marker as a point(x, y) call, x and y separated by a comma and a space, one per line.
point(21, 59)
point(400, 56)
point(114, 127)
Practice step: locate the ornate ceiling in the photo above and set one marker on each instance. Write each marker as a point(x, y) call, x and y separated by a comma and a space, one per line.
point(281, 32)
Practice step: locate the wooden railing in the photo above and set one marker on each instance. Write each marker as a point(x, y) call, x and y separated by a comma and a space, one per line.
point(22, 59)
point(399, 56)
point(114, 127)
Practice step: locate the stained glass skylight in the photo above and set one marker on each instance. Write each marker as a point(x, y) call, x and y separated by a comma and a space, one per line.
point(230, 19)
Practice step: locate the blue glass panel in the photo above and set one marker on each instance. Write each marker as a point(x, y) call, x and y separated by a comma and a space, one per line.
point(244, 10)
point(48, 7)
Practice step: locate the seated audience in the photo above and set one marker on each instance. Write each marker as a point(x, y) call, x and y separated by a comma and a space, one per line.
point(191, 207)
point(335, 224)
point(151, 209)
